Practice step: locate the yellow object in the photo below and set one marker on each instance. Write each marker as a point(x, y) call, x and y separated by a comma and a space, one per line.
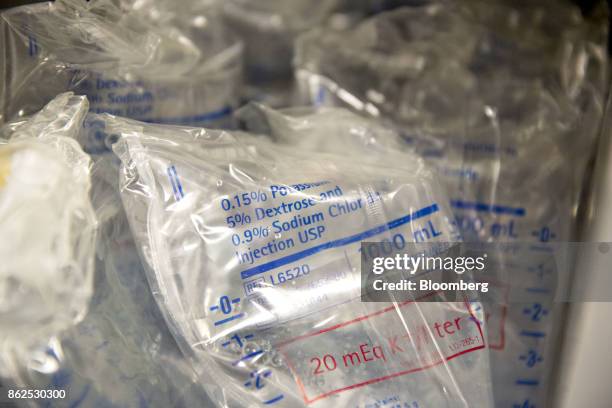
point(5, 165)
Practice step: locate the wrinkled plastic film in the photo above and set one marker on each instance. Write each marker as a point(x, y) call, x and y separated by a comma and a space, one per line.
point(122, 344)
point(183, 69)
point(249, 301)
point(45, 185)
point(455, 96)
point(268, 30)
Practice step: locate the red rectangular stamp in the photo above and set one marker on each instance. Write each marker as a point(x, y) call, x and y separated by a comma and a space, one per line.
point(496, 301)
point(394, 341)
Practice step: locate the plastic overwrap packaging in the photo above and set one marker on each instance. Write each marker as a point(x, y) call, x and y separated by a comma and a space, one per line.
point(122, 353)
point(268, 29)
point(140, 59)
point(505, 102)
point(47, 229)
point(252, 250)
